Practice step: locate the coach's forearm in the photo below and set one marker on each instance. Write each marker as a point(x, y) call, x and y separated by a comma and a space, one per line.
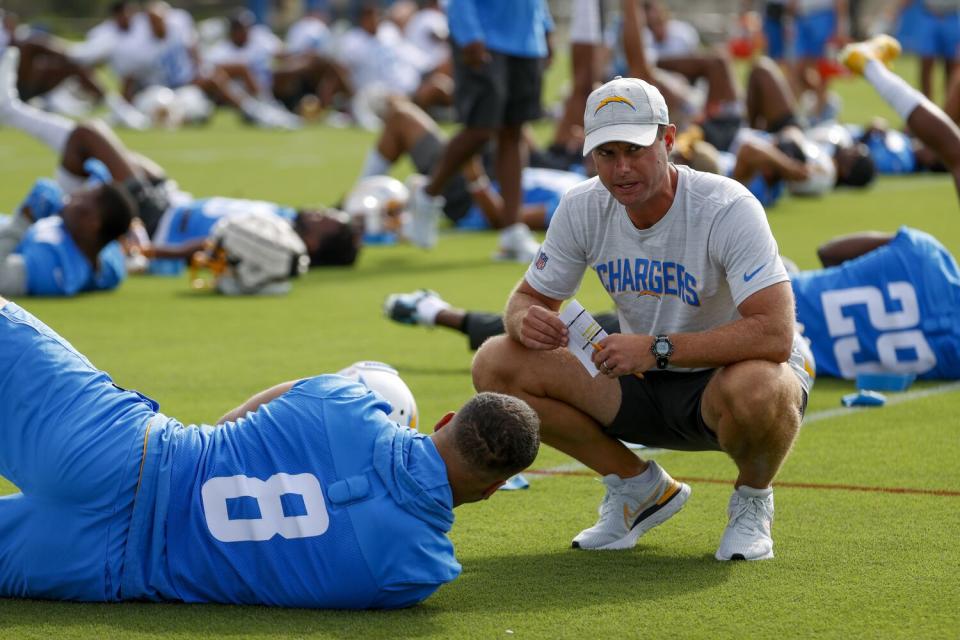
point(753, 338)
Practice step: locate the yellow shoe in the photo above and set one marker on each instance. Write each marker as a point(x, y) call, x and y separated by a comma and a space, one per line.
point(882, 47)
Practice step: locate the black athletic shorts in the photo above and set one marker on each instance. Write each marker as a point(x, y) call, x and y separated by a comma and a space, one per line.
point(721, 130)
point(504, 91)
point(425, 155)
point(663, 410)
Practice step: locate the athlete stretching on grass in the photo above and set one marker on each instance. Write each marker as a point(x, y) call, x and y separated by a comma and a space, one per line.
point(928, 122)
point(707, 313)
point(306, 495)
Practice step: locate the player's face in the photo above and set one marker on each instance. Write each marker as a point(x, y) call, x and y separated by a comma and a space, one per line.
point(239, 35)
point(81, 214)
point(633, 174)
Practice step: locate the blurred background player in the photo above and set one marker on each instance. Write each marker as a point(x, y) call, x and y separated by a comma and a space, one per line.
point(500, 47)
point(48, 71)
point(61, 246)
point(176, 222)
point(926, 121)
point(471, 199)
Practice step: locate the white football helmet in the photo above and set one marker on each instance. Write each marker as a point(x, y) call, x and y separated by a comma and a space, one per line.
point(196, 107)
point(823, 172)
point(384, 379)
point(253, 253)
point(160, 104)
point(380, 201)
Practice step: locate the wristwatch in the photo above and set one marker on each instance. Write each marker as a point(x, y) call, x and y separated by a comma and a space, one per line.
point(662, 349)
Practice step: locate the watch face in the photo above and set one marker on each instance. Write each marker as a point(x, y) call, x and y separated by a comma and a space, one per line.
point(661, 347)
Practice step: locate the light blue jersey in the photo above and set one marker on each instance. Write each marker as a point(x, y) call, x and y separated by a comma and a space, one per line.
point(195, 220)
point(892, 152)
point(540, 186)
point(314, 500)
point(895, 309)
point(56, 267)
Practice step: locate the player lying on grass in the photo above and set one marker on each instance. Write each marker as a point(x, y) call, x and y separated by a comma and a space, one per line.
point(927, 285)
point(306, 495)
point(469, 198)
point(175, 223)
point(929, 123)
point(61, 255)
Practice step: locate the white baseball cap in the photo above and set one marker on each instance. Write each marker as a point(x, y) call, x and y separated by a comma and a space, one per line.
point(623, 110)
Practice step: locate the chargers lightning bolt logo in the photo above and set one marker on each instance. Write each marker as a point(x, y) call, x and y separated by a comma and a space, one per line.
point(613, 99)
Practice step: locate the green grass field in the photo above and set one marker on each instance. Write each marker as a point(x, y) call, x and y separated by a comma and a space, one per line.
point(857, 556)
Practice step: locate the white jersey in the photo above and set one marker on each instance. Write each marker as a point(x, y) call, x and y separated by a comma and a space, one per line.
point(170, 61)
point(309, 33)
point(687, 273)
point(257, 54)
point(681, 38)
point(135, 49)
point(428, 31)
point(376, 61)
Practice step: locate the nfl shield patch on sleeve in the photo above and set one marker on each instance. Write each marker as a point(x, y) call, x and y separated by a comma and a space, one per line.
point(541, 260)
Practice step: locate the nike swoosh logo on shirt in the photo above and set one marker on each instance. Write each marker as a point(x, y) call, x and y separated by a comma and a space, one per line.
point(747, 277)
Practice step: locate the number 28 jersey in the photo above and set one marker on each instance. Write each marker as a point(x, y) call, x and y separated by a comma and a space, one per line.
point(894, 309)
point(315, 500)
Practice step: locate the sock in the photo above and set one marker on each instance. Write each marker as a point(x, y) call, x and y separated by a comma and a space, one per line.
point(428, 307)
point(892, 88)
point(750, 492)
point(374, 165)
point(51, 129)
point(649, 475)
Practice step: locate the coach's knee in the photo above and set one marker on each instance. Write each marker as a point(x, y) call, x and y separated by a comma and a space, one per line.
point(753, 394)
point(497, 365)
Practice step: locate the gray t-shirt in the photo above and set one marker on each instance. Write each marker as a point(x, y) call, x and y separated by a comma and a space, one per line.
point(687, 273)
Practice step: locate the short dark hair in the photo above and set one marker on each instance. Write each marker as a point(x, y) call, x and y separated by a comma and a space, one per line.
point(337, 249)
point(117, 209)
point(497, 434)
point(242, 18)
point(862, 170)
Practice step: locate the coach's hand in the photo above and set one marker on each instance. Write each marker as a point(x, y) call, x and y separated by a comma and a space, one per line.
point(622, 354)
point(542, 329)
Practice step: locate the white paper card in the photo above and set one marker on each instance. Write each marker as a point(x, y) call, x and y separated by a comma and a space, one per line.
point(584, 332)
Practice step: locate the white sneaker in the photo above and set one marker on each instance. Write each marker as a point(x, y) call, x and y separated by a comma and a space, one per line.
point(747, 536)
point(418, 307)
point(64, 100)
point(517, 244)
point(124, 114)
point(631, 508)
point(8, 79)
point(426, 211)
